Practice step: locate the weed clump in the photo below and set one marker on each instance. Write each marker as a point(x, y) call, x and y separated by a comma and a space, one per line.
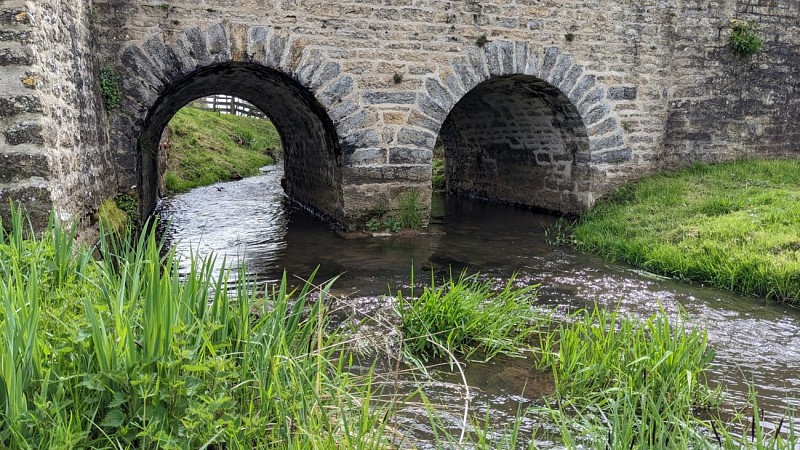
point(466, 315)
point(109, 87)
point(744, 39)
point(112, 218)
point(410, 209)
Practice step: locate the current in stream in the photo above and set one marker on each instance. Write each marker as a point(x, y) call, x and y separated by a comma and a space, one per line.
point(757, 342)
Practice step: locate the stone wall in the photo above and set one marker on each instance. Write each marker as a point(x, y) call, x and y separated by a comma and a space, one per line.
point(371, 83)
point(722, 106)
point(52, 145)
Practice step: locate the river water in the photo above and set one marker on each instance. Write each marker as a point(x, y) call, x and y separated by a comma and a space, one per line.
point(757, 342)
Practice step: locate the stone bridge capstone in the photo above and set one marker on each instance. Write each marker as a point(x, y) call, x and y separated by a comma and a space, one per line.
point(537, 103)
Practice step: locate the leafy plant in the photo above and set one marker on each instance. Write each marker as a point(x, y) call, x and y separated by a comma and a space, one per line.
point(744, 39)
point(373, 224)
point(410, 209)
point(129, 204)
point(109, 87)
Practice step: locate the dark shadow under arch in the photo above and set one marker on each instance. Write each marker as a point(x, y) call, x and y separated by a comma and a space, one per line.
point(312, 157)
point(517, 139)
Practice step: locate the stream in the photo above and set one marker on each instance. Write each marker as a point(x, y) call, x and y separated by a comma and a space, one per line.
point(757, 342)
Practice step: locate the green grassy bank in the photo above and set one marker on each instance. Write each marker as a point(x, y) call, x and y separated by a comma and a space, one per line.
point(733, 225)
point(113, 348)
point(207, 147)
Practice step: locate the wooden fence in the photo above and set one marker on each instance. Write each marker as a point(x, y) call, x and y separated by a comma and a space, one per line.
point(227, 104)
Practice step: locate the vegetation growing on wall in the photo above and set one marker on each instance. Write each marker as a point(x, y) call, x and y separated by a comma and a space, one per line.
point(207, 147)
point(744, 39)
point(109, 87)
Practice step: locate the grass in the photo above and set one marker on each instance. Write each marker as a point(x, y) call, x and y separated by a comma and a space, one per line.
point(735, 226)
point(409, 212)
point(628, 384)
point(465, 316)
point(125, 352)
point(208, 147)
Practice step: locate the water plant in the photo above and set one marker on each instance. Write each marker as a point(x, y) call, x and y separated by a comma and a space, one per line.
point(126, 352)
point(465, 315)
point(627, 383)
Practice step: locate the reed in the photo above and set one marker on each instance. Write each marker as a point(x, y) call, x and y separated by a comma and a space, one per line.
point(126, 352)
point(628, 383)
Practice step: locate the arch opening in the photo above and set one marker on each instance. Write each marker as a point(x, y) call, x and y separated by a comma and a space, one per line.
point(311, 152)
point(518, 140)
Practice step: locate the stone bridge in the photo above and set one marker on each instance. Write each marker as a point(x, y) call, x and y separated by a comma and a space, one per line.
point(538, 103)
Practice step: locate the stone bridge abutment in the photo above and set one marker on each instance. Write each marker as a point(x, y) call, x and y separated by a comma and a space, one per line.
point(537, 104)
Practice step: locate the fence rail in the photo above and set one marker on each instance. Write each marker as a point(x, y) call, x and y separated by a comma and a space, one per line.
point(227, 104)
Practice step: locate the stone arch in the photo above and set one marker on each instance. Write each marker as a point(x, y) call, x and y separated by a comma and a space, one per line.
point(540, 96)
point(294, 84)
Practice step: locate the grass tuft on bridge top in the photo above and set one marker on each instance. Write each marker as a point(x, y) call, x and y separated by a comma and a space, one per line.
point(733, 225)
point(207, 147)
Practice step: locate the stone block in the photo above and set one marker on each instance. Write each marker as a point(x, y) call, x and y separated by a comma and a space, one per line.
point(612, 156)
point(409, 155)
point(15, 57)
point(416, 137)
point(19, 104)
point(35, 200)
point(25, 132)
point(622, 93)
point(388, 97)
point(15, 167)
point(336, 91)
point(366, 157)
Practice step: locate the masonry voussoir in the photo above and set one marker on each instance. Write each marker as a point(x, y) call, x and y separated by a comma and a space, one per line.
point(219, 45)
point(521, 51)
point(310, 61)
point(169, 67)
point(570, 78)
point(335, 92)
point(257, 42)
point(325, 74)
point(440, 95)
point(560, 69)
point(198, 46)
point(549, 59)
